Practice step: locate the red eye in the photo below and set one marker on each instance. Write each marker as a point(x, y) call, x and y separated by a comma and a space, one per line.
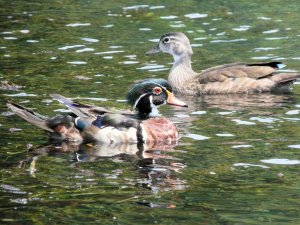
point(157, 90)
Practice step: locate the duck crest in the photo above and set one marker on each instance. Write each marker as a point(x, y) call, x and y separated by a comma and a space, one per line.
point(145, 87)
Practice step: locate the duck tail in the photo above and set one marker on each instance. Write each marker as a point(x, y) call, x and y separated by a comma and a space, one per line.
point(283, 81)
point(30, 116)
point(284, 78)
point(79, 109)
point(74, 107)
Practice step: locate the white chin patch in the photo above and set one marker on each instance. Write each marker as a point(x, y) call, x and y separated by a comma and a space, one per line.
point(154, 109)
point(176, 57)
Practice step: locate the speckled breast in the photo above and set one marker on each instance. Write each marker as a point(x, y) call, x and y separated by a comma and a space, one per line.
point(159, 131)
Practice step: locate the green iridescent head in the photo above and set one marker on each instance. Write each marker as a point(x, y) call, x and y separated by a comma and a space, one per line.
point(147, 95)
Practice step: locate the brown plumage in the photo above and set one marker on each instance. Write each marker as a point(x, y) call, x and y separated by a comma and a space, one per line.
point(224, 79)
point(160, 130)
point(59, 128)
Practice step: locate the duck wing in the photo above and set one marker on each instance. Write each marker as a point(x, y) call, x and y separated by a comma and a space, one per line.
point(239, 70)
point(85, 110)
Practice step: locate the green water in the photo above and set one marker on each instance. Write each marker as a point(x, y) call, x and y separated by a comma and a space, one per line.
point(237, 161)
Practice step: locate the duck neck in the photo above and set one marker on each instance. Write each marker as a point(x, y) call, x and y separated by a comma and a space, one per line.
point(146, 108)
point(181, 71)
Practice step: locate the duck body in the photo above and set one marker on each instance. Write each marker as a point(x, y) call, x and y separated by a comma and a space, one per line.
point(158, 130)
point(95, 124)
point(224, 79)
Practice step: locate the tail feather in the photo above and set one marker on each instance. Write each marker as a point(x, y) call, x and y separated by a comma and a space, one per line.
point(69, 104)
point(79, 109)
point(30, 116)
point(281, 78)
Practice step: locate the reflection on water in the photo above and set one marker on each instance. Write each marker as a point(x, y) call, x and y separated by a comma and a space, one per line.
point(241, 102)
point(238, 156)
point(156, 165)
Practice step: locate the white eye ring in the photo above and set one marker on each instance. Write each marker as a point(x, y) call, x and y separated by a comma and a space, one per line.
point(166, 40)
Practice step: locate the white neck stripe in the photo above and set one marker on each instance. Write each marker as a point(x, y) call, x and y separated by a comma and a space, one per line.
point(137, 101)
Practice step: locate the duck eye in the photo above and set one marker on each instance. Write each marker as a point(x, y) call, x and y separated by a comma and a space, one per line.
point(166, 40)
point(157, 90)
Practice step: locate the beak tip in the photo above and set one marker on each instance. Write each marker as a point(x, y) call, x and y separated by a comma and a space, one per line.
point(155, 50)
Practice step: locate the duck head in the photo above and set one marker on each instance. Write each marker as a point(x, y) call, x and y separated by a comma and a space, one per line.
point(176, 44)
point(146, 96)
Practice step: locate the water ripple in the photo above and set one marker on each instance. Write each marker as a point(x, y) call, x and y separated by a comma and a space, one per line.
point(243, 122)
point(264, 120)
point(7, 32)
point(85, 50)
point(12, 189)
point(242, 28)
point(115, 46)
point(241, 146)
point(225, 113)
point(198, 113)
point(262, 57)
point(246, 165)
point(22, 201)
point(93, 40)
point(195, 15)
point(293, 112)
point(24, 31)
point(225, 135)
point(294, 146)
point(225, 41)
point(177, 24)
point(145, 29)
point(270, 31)
point(196, 45)
point(276, 38)
point(130, 56)
point(281, 161)
point(77, 62)
point(108, 26)
point(108, 52)
point(153, 67)
point(10, 38)
point(78, 24)
point(264, 49)
point(197, 137)
point(136, 7)
point(70, 47)
point(108, 57)
point(157, 7)
point(263, 18)
point(130, 62)
point(23, 94)
point(168, 17)
point(32, 41)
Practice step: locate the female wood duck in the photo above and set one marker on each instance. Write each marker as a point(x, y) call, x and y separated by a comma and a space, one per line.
point(96, 124)
point(224, 79)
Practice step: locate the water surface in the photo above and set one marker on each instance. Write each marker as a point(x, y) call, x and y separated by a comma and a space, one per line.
point(237, 161)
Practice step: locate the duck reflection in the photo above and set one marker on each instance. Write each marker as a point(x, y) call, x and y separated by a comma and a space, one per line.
point(238, 101)
point(157, 166)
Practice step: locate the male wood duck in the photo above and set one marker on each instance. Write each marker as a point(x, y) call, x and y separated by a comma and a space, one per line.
point(223, 79)
point(96, 124)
